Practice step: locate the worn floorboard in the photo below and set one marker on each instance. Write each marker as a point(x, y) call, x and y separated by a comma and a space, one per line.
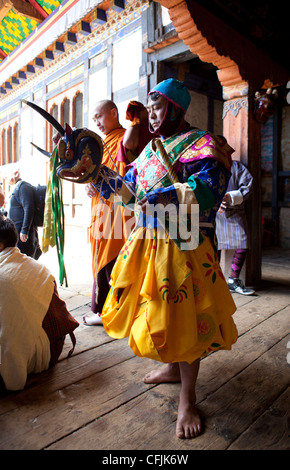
point(96, 399)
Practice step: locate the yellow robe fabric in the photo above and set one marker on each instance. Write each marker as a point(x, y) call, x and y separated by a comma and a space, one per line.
point(106, 248)
point(173, 305)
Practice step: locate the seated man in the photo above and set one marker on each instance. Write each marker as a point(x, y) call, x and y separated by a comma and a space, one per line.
point(34, 320)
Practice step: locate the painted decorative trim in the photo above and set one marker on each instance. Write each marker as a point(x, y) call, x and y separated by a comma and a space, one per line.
point(187, 30)
point(115, 25)
point(235, 105)
point(235, 91)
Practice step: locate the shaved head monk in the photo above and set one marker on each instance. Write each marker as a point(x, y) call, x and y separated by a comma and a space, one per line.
point(104, 217)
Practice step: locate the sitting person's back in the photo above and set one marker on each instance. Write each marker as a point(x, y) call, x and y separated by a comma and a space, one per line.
point(34, 320)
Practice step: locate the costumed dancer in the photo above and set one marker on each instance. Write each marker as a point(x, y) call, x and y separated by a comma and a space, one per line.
point(171, 301)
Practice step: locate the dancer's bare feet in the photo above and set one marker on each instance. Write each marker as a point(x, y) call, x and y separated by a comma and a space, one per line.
point(169, 373)
point(188, 423)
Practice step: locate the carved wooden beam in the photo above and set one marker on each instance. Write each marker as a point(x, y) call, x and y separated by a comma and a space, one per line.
point(47, 57)
point(2, 54)
point(38, 63)
point(21, 75)
point(117, 5)
point(58, 48)
point(99, 17)
point(188, 31)
point(29, 69)
point(83, 29)
point(238, 59)
point(21, 8)
point(70, 38)
point(5, 6)
point(38, 8)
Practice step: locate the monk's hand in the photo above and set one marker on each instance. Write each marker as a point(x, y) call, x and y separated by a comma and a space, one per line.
point(90, 190)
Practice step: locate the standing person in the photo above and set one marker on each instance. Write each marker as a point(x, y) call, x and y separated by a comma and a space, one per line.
point(21, 211)
point(105, 248)
point(231, 224)
point(171, 300)
point(34, 320)
point(123, 146)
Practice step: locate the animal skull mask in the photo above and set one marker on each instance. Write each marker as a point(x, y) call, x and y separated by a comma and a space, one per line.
point(80, 150)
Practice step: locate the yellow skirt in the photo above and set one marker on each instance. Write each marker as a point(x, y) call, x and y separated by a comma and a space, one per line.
point(173, 305)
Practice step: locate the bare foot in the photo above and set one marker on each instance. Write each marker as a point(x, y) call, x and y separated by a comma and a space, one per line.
point(170, 373)
point(188, 423)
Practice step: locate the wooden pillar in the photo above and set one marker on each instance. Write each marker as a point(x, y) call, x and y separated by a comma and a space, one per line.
point(242, 132)
point(216, 42)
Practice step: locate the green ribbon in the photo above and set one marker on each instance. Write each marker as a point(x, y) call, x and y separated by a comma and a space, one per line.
point(58, 212)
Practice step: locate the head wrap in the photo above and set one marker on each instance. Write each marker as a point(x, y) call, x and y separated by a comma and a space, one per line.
point(174, 91)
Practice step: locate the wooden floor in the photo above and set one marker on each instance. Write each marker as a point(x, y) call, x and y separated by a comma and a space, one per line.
point(96, 399)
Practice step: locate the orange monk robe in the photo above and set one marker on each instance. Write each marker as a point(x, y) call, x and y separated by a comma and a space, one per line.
point(108, 230)
point(2, 198)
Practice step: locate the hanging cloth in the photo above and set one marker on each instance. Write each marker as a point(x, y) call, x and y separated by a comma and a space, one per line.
point(55, 208)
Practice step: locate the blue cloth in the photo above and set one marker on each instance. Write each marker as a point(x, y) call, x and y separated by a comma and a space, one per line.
point(208, 178)
point(175, 91)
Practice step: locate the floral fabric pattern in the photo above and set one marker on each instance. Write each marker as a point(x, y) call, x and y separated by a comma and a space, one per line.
point(163, 301)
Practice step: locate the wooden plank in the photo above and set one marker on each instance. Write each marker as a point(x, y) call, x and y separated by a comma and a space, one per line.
point(47, 417)
point(246, 397)
point(248, 348)
point(77, 301)
point(260, 308)
point(58, 402)
point(85, 340)
point(79, 312)
point(87, 337)
point(270, 293)
point(127, 426)
point(65, 373)
point(148, 420)
point(233, 408)
point(270, 431)
point(210, 381)
point(241, 300)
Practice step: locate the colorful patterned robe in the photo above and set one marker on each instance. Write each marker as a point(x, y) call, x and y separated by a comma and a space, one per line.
point(173, 304)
